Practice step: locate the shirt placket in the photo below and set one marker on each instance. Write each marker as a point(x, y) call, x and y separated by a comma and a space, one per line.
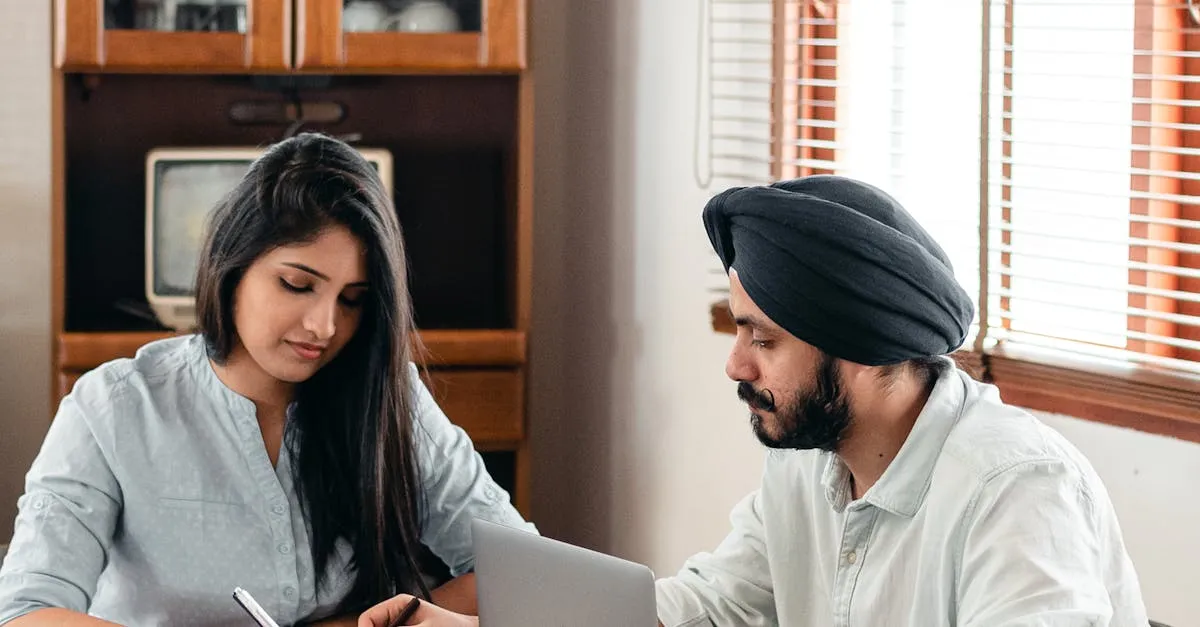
point(283, 550)
point(856, 534)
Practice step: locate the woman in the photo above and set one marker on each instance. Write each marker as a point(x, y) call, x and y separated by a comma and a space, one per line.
point(289, 448)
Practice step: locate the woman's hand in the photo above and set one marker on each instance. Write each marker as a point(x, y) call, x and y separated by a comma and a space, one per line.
point(428, 615)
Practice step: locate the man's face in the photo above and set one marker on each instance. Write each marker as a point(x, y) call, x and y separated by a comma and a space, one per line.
point(793, 389)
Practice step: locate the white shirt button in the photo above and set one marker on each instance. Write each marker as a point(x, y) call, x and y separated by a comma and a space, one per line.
point(852, 557)
point(289, 592)
point(285, 548)
point(278, 509)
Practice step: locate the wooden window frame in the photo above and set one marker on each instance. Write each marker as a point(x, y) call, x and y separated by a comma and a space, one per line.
point(1139, 397)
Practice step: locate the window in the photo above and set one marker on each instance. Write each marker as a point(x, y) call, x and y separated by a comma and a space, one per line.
point(1051, 146)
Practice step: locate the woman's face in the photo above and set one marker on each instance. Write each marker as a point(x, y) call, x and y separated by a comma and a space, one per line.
point(298, 305)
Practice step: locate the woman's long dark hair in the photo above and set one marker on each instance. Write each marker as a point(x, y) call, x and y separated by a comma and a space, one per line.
point(350, 431)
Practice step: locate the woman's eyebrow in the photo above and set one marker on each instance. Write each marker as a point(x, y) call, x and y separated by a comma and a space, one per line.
point(304, 268)
point(319, 275)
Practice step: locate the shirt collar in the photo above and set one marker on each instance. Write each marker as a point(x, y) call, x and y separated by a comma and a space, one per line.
point(209, 380)
point(902, 488)
point(836, 481)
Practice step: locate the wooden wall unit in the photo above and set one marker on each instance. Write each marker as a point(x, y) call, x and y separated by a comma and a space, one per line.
point(454, 109)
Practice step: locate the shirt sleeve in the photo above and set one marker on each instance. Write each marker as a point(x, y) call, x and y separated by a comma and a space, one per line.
point(1033, 552)
point(65, 521)
point(730, 586)
point(457, 485)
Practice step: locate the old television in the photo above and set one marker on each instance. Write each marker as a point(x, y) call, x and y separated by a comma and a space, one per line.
point(183, 186)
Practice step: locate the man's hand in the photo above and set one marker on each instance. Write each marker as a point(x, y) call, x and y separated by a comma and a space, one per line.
point(428, 615)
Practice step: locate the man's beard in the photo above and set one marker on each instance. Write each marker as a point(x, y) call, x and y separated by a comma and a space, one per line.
point(816, 418)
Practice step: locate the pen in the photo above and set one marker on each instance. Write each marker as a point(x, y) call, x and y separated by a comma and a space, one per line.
point(252, 608)
point(407, 612)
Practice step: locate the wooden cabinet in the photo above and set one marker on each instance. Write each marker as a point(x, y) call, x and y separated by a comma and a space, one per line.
point(274, 36)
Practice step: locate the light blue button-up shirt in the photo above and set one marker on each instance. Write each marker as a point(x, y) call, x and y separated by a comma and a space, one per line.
point(153, 497)
point(986, 518)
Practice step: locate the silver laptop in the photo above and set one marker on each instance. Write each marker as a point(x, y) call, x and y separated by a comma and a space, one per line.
point(524, 579)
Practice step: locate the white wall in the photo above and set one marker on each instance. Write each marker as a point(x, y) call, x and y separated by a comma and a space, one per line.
point(642, 446)
point(24, 244)
point(1154, 482)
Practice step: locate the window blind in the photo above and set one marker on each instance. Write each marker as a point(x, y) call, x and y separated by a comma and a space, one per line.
point(1050, 146)
point(1093, 185)
point(734, 103)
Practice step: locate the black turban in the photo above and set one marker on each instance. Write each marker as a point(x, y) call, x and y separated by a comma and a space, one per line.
point(842, 266)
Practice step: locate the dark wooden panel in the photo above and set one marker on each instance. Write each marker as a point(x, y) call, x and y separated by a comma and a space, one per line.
point(452, 139)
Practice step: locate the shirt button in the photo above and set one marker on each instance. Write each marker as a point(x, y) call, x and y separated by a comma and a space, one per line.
point(39, 503)
point(278, 509)
point(851, 557)
point(285, 548)
point(289, 592)
point(491, 493)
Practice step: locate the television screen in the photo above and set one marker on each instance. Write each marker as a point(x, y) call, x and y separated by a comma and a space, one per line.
point(185, 194)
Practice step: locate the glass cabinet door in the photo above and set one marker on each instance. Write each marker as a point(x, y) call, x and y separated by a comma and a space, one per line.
point(202, 36)
point(382, 35)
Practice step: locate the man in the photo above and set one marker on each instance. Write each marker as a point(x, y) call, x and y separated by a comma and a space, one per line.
point(898, 490)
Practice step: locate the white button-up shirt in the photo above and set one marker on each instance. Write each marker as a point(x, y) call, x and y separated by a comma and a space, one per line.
point(986, 517)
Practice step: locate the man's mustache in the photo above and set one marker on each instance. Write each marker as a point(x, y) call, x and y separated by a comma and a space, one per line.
point(761, 400)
